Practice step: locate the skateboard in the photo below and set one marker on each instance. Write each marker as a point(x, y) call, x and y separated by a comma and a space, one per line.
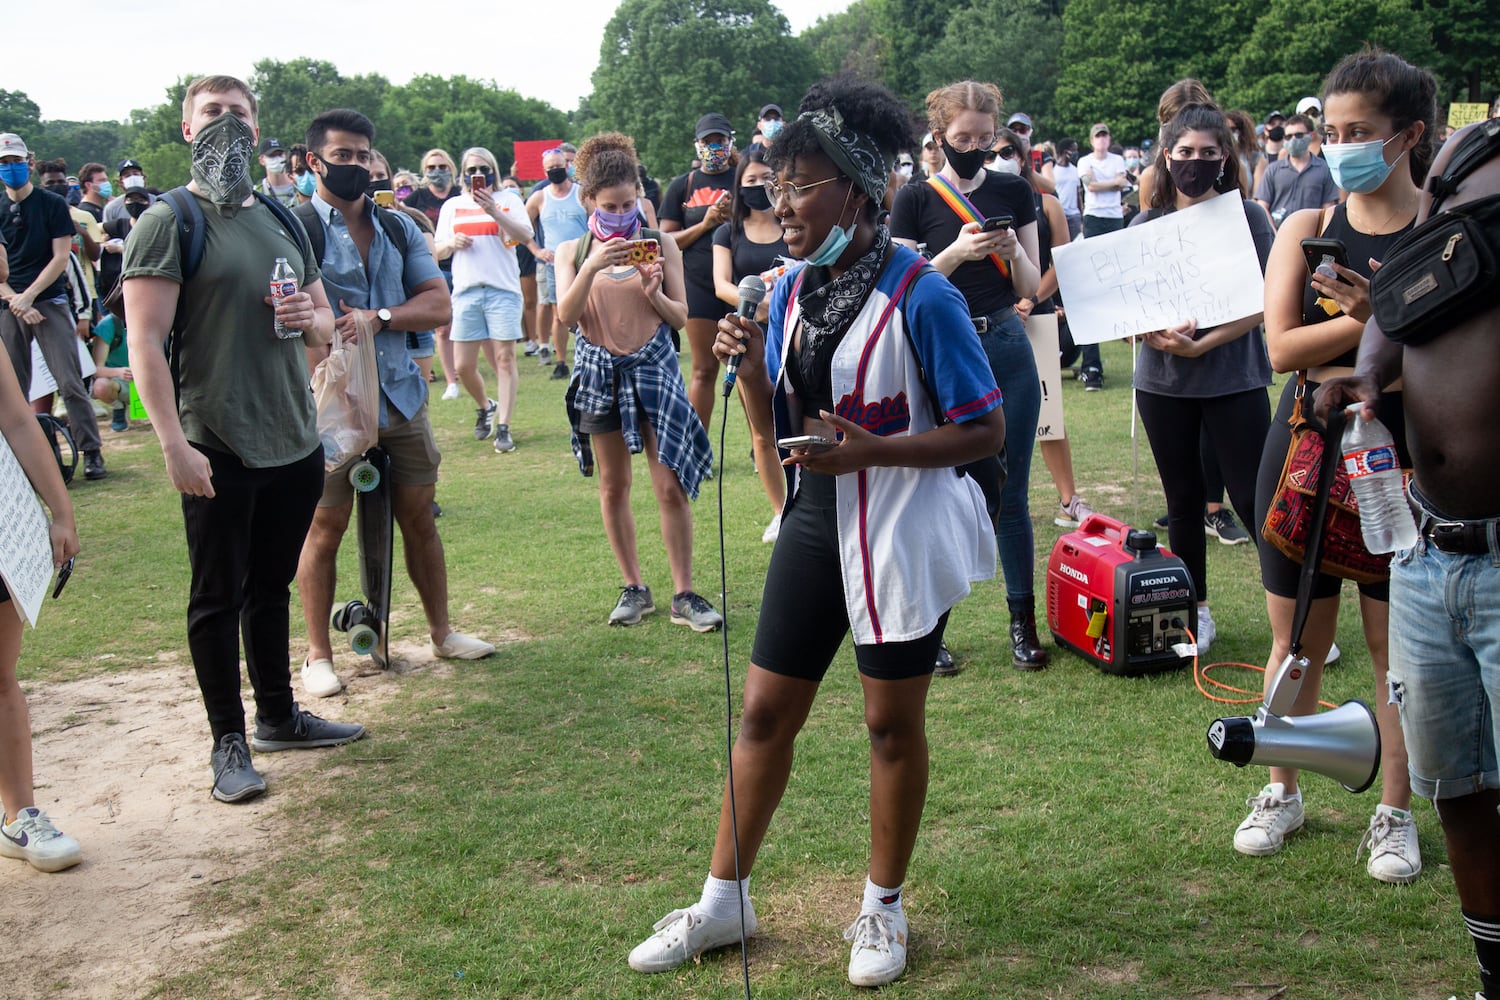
point(368, 621)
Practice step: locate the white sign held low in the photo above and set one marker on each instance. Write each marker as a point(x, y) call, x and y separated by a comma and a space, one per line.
point(25, 538)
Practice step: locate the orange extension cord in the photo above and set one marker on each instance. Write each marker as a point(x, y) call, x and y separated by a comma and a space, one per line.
point(1200, 678)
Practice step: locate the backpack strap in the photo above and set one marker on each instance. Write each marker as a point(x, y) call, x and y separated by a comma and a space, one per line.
point(190, 237)
point(313, 227)
point(1478, 147)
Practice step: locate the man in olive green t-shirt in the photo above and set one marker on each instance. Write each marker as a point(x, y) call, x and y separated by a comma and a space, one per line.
point(240, 437)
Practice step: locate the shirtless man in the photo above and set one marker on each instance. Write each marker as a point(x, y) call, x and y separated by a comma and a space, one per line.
point(1445, 591)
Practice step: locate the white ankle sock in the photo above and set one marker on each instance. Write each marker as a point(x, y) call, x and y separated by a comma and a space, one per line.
point(722, 898)
point(878, 897)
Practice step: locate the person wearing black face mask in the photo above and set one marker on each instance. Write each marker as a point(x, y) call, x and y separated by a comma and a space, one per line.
point(1187, 379)
point(88, 235)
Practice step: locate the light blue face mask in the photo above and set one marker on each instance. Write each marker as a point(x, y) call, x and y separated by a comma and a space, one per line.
point(106, 190)
point(772, 128)
point(836, 242)
point(1359, 167)
point(306, 182)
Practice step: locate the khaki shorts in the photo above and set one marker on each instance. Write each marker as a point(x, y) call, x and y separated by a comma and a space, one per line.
point(414, 457)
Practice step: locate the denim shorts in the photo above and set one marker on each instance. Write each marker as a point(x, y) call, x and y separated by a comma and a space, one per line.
point(421, 344)
point(1445, 667)
point(546, 283)
point(484, 313)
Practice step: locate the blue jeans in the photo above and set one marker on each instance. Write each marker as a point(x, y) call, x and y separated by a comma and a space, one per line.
point(1445, 667)
point(1014, 367)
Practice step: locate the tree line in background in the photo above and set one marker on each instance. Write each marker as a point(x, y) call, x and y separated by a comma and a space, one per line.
point(663, 63)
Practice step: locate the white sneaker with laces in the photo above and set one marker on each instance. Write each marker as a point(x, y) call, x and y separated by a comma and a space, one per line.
point(1272, 817)
point(319, 680)
point(878, 955)
point(773, 530)
point(688, 933)
point(1333, 655)
point(452, 392)
point(32, 838)
point(1207, 631)
point(1392, 840)
point(461, 647)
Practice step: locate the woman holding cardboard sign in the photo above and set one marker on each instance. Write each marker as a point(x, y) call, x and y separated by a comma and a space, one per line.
point(1214, 379)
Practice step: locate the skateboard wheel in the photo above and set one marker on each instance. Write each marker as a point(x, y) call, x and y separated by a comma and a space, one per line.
point(363, 476)
point(363, 639)
point(349, 616)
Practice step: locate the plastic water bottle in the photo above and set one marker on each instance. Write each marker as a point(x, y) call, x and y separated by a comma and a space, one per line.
point(283, 285)
point(1375, 473)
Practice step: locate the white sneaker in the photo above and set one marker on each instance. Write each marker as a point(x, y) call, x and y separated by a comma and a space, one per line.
point(1206, 632)
point(1333, 655)
point(319, 680)
point(878, 955)
point(452, 392)
point(32, 838)
point(773, 530)
point(1392, 840)
point(685, 934)
point(1271, 818)
point(461, 647)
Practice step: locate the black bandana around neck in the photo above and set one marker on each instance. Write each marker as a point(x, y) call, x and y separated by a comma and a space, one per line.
point(831, 305)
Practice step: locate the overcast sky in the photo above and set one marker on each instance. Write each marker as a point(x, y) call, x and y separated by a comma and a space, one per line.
point(140, 47)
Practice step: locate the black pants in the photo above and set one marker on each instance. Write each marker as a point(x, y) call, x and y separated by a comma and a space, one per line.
point(1236, 426)
point(243, 546)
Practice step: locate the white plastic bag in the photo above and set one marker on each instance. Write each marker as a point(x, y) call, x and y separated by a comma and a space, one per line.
point(346, 389)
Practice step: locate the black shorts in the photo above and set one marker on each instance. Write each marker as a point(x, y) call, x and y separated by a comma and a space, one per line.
point(526, 261)
point(1279, 574)
point(702, 302)
point(803, 618)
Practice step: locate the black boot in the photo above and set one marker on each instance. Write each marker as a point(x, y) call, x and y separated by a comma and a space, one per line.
point(1025, 648)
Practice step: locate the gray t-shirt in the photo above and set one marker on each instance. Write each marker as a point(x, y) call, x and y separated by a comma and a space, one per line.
point(1287, 189)
point(243, 390)
point(1237, 366)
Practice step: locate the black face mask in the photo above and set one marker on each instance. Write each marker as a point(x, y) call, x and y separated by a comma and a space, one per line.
point(1276, 133)
point(383, 185)
point(346, 181)
point(755, 198)
point(966, 165)
point(134, 209)
point(60, 188)
point(1195, 177)
point(557, 175)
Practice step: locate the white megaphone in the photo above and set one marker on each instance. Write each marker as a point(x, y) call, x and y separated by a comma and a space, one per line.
point(1343, 743)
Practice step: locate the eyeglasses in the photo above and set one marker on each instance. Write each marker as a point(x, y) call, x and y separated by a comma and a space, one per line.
point(436, 166)
point(1006, 152)
point(476, 169)
point(1296, 135)
point(1020, 128)
point(795, 192)
point(963, 144)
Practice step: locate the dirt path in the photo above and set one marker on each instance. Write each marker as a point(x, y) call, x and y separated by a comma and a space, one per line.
point(122, 764)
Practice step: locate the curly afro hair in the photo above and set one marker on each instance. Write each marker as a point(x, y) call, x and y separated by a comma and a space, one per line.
point(607, 160)
point(866, 106)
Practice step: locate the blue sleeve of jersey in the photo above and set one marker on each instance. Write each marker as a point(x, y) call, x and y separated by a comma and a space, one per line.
point(958, 372)
point(776, 321)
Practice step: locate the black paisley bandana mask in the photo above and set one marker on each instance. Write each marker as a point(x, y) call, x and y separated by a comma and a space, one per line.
point(222, 152)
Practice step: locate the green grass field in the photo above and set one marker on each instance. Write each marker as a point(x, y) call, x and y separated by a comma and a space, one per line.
point(527, 817)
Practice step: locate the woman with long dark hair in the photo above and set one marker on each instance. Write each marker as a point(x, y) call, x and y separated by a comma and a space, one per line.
point(880, 537)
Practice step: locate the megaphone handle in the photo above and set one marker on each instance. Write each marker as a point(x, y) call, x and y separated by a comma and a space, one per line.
point(1312, 555)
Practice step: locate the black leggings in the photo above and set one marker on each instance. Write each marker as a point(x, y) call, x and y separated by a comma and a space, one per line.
point(1236, 426)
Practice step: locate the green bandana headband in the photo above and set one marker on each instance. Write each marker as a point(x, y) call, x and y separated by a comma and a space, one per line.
point(854, 153)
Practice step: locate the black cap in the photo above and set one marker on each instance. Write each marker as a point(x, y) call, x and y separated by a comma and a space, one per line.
point(131, 165)
point(267, 145)
point(770, 107)
point(711, 123)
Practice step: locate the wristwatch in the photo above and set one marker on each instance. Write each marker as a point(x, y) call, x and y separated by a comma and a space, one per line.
point(384, 315)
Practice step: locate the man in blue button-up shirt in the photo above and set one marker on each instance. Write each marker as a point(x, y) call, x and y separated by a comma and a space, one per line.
point(366, 273)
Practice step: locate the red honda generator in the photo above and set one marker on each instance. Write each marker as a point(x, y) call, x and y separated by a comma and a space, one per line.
point(1118, 599)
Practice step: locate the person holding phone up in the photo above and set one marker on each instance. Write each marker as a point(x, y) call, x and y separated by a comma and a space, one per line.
point(1315, 316)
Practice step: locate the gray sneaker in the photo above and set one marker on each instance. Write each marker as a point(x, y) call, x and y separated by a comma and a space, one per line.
point(634, 602)
point(696, 613)
point(235, 778)
point(1222, 525)
point(503, 441)
point(303, 731)
point(485, 423)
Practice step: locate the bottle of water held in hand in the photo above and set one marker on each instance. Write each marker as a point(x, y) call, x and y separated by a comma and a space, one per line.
point(1375, 473)
point(283, 285)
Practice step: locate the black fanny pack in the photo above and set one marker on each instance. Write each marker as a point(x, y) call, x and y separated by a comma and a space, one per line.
point(1436, 273)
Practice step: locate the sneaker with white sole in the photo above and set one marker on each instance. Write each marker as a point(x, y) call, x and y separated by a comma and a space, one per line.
point(695, 612)
point(452, 392)
point(773, 530)
point(1222, 525)
point(878, 954)
point(1333, 655)
point(1207, 631)
point(685, 934)
point(1072, 513)
point(634, 602)
point(303, 731)
point(461, 647)
point(484, 424)
point(235, 778)
point(1272, 817)
point(531, 348)
point(503, 441)
point(319, 680)
point(1392, 840)
point(544, 355)
point(32, 838)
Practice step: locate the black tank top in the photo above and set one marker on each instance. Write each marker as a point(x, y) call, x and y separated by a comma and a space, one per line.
point(1361, 247)
point(1044, 244)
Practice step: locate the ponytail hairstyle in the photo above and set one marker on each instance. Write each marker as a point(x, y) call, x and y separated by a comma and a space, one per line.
point(1406, 93)
point(1194, 118)
point(607, 160)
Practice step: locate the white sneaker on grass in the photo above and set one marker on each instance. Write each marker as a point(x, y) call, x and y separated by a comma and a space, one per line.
point(452, 392)
point(1392, 840)
point(32, 838)
point(319, 680)
point(878, 955)
point(1272, 817)
point(461, 647)
point(686, 934)
point(773, 530)
point(1333, 655)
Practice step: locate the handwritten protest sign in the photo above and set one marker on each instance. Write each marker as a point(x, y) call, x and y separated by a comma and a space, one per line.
point(1197, 263)
point(25, 541)
point(1460, 115)
point(1041, 331)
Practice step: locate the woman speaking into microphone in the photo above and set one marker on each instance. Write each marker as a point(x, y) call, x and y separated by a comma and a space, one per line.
point(887, 386)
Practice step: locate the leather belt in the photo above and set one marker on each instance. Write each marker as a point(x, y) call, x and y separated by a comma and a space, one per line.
point(1470, 538)
point(984, 324)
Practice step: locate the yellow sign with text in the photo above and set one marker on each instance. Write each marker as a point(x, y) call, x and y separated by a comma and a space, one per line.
point(1460, 115)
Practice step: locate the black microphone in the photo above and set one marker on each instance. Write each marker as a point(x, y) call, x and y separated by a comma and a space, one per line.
point(752, 291)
